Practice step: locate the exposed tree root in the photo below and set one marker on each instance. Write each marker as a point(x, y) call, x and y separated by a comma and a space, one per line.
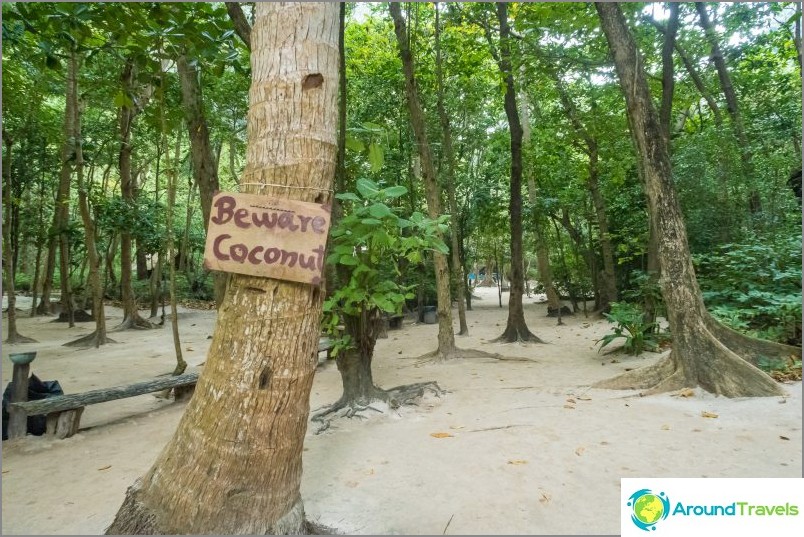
point(135, 517)
point(713, 366)
point(350, 407)
point(517, 334)
point(750, 349)
point(438, 356)
point(89, 341)
point(134, 322)
point(15, 338)
point(640, 379)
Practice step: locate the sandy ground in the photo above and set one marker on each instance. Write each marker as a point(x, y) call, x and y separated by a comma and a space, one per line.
point(530, 440)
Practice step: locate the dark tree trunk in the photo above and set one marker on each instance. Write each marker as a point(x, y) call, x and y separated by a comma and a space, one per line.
point(12, 335)
point(446, 336)
point(516, 329)
point(205, 168)
point(732, 106)
point(608, 278)
point(449, 157)
point(699, 357)
point(127, 114)
point(98, 336)
point(668, 80)
point(63, 200)
point(44, 307)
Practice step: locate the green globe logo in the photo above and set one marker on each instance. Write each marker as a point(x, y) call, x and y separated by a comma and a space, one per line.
point(648, 508)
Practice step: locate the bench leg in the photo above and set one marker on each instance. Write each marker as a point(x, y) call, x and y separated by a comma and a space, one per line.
point(64, 424)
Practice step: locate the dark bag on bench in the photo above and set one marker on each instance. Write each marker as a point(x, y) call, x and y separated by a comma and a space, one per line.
point(37, 389)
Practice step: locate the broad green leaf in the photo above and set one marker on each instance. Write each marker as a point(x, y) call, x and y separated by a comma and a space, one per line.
point(395, 191)
point(376, 157)
point(367, 188)
point(380, 210)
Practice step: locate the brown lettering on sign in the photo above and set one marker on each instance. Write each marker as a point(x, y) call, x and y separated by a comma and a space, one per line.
point(261, 236)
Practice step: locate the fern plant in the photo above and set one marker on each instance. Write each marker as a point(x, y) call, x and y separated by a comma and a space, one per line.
point(630, 325)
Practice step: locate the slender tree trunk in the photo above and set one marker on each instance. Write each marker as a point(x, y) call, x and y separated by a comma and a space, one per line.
point(251, 401)
point(12, 335)
point(516, 329)
point(39, 242)
point(127, 114)
point(542, 249)
point(699, 357)
point(732, 106)
point(181, 364)
point(668, 80)
point(205, 167)
point(446, 336)
point(608, 279)
point(44, 307)
point(449, 157)
point(98, 337)
point(63, 200)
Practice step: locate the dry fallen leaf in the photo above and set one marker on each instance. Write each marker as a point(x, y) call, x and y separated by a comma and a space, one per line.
point(614, 361)
point(457, 426)
point(189, 349)
point(584, 398)
point(780, 436)
point(440, 435)
point(105, 467)
point(570, 400)
point(686, 392)
point(370, 472)
point(579, 451)
point(665, 427)
point(517, 461)
point(570, 407)
point(544, 498)
point(706, 414)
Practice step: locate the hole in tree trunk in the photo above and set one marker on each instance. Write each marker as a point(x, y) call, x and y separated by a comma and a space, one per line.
point(314, 80)
point(265, 378)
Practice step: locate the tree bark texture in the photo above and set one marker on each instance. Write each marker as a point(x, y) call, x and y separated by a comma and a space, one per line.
point(698, 358)
point(234, 464)
point(516, 329)
point(446, 336)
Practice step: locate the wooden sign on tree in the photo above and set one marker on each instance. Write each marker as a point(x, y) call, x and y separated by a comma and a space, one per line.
point(269, 237)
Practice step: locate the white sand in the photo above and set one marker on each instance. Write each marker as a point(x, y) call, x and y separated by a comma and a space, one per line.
point(519, 461)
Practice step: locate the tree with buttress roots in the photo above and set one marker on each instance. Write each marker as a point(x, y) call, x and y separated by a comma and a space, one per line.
point(705, 353)
point(234, 464)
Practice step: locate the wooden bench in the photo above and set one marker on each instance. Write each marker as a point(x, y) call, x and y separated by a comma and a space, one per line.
point(63, 412)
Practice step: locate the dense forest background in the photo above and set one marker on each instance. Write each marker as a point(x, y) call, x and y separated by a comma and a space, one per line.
point(120, 120)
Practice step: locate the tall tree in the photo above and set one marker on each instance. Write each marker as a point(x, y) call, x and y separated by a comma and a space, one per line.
point(704, 353)
point(732, 105)
point(516, 329)
point(446, 336)
point(205, 166)
point(449, 158)
point(12, 336)
point(130, 108)
point(589, 145)
point(251, 401)
point(98, 336)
